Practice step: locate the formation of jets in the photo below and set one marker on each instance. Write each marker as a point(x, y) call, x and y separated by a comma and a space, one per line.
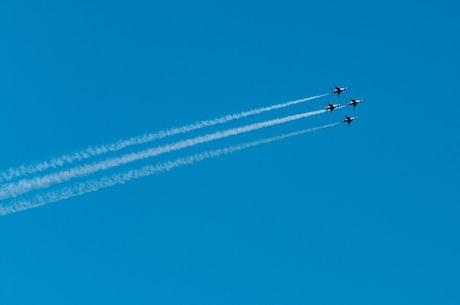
point(353, 103)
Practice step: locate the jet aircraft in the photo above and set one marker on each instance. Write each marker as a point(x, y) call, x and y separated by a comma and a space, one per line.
point(355, 102)
point(348, 119)
point(330, 107)
point(339, 90)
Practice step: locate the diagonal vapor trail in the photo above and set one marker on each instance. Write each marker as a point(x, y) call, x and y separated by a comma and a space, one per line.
point(23, 170)
point(84, 187)
point(23, 186)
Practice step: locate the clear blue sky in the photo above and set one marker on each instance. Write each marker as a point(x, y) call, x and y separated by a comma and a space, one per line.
point(360, 215)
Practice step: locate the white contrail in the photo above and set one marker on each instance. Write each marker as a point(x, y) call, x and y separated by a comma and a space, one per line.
point(81, 188)
point(17, 172)
point(26, 185)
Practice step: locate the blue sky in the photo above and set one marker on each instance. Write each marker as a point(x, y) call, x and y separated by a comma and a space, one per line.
point(367, 214)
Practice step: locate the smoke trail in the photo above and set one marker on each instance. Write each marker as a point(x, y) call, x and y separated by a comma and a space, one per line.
point(27, 185)
point(81, 188)
point(17, 172)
